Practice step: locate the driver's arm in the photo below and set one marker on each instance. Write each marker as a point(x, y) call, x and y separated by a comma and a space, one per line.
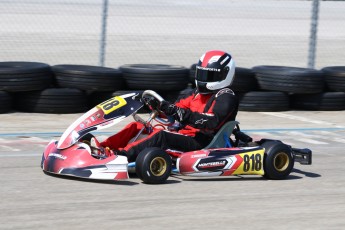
point(224, 107)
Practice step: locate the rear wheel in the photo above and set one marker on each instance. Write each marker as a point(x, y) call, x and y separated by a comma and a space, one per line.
point(278, 160)
point(153, 166)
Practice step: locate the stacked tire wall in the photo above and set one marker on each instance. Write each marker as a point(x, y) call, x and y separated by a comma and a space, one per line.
point(40, 88)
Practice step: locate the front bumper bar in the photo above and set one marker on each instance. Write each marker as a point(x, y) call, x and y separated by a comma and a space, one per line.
point(303, 156)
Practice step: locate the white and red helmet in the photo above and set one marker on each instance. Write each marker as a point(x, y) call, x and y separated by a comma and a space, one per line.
point(215, 70)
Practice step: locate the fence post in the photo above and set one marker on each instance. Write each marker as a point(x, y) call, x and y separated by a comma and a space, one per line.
point(103, 38)
point(313, 33)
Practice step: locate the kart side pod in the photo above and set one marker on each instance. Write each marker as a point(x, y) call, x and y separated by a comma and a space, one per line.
point(223, 162)
point(77, 161)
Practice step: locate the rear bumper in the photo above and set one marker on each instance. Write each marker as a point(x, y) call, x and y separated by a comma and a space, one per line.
point(303, 156)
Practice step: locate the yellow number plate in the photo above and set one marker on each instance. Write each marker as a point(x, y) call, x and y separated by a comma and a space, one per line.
point(112, 104)
point(252, 163)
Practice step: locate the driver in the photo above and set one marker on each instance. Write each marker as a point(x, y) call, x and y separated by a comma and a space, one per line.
point(201, 113)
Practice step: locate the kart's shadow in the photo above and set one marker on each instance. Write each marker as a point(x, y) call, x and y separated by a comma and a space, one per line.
point(249, 178)
point(117, 182)
point(230, 178)
point(129, 182)
point(307, 174)
point(168, 181)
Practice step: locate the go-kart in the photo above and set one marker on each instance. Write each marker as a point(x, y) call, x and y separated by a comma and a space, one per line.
point(231, 152)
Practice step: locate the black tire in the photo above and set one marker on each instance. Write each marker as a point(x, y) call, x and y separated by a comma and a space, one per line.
point(258, 101)
point(155, 77)
point(191, 75)
point(328, 101)
point(173, 96)
point(5, 102)
point(244, 80)
point(289, 79)
point(278, 160)
point(89, 78)
point(25, 76)
point(335, 78)
point(53, 100)
point(153, 166)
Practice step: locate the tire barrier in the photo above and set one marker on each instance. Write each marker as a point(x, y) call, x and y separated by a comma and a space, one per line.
point(88, 78)
point(321, 101)
point(244, 81)
point(289, 79)
point(5, 102)
point(38, 87)
point(335, 78)
point(191, 75)
point(259, 101)
point(24, 76)
point(52, 100)
point(155, 77)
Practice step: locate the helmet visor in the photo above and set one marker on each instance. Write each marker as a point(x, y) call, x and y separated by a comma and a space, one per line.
point(209, 76)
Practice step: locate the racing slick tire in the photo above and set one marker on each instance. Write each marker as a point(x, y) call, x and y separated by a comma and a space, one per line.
point(157, 77)
point(51, 100)
point(335, 78)
point(88, 78)
point(25, 76)
point(191, 75)
point(244, 81)
point(278, 160)
point(5, 102)
point(289, 79)
point(326, 101)
point(263, 101)
point(153, 166)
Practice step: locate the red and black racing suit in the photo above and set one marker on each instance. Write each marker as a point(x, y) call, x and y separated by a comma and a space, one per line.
point(201, 116)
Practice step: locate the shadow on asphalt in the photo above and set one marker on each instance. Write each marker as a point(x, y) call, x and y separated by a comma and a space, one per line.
point(307, 174)
point(115, 182)
point(250, 178)
point(230, 178)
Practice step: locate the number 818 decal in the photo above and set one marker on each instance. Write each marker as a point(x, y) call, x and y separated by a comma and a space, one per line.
point(112, 104)
point(252, 163)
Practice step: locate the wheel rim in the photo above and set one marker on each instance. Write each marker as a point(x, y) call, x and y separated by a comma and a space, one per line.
point(281, 162)
point(158, 166)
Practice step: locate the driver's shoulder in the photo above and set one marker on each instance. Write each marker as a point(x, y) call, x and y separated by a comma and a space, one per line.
point(224, 92)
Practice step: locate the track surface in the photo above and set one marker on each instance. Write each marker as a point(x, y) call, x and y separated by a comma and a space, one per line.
point(313, 197)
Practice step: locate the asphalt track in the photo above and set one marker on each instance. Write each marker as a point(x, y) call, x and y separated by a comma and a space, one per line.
point(313, 197)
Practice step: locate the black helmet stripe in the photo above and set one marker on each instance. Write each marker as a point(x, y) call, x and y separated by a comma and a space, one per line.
point(226, 58)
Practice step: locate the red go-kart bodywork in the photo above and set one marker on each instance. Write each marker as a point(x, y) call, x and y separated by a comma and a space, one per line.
point(71, 156)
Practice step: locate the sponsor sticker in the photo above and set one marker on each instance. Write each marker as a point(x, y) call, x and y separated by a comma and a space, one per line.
point(199, 155)
point(212, 164)
point(57, 155)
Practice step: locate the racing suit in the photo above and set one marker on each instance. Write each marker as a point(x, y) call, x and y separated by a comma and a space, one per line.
point(201, 116)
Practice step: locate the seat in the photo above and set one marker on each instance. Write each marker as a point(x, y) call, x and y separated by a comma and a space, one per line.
point(222, 137)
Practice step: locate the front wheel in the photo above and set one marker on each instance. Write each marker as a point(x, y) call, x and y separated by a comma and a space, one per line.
point(278, 161)
point(153, 166)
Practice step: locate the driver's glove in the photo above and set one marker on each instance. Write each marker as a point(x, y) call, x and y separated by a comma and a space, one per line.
point(168, 108)
point(172, 110)
point(153, 104)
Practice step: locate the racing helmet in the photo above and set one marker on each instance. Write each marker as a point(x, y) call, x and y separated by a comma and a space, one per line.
point(215, 70)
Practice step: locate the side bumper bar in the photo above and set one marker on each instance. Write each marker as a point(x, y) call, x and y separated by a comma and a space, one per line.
point(303, 156)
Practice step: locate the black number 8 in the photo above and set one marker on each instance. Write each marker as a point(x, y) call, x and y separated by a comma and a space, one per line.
point(110, 105)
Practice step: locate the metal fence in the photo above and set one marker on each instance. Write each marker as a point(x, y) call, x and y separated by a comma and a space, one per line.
point(117, 32)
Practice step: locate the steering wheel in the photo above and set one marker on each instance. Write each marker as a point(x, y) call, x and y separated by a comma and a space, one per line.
point(154, 101)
